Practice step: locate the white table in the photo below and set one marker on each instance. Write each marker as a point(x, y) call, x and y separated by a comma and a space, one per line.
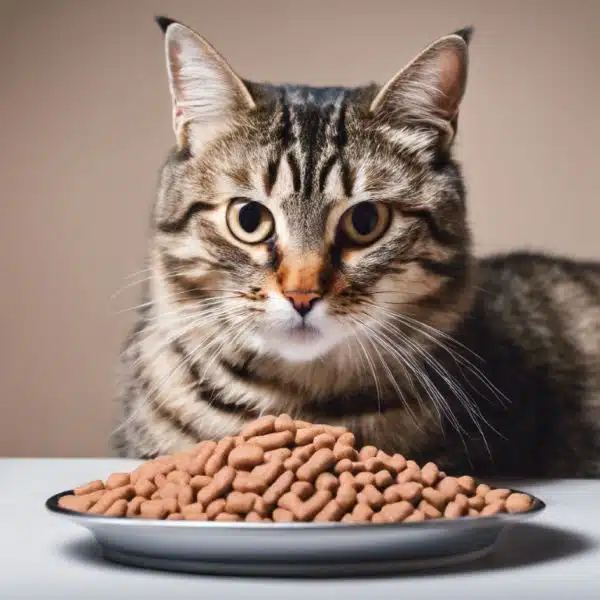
point(557, 555)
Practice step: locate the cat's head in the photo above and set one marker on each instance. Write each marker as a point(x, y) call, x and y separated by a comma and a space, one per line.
point(305, 219)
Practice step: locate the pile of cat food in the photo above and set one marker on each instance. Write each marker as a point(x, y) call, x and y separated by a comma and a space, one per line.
point(280, 469)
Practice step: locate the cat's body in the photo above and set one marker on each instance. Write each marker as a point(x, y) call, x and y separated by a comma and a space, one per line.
point(346, 292)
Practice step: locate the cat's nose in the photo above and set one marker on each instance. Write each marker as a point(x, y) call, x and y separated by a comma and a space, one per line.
point(302, 301)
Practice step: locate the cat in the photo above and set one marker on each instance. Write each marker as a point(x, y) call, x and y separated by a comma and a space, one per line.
point(311, 255)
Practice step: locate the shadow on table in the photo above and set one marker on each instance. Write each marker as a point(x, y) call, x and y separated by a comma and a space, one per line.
point(521, 546)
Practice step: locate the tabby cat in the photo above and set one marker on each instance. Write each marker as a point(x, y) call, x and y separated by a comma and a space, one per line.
point(311, 254)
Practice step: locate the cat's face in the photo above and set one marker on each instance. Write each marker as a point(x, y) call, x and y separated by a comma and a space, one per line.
point(302, 220)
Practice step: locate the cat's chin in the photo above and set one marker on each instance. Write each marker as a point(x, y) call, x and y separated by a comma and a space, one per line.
point(299, 345)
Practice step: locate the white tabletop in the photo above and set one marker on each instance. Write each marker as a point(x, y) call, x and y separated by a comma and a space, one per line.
point(556, 555)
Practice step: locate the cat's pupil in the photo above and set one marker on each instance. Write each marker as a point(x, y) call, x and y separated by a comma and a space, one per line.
point(364, 218)
point(249, 217)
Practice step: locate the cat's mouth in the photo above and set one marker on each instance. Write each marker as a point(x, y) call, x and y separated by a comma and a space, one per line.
point(303, 332)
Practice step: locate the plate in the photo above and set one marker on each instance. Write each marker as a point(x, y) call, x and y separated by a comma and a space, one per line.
point(293, 549)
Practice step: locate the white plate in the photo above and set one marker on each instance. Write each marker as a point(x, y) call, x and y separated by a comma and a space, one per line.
point(292, 549)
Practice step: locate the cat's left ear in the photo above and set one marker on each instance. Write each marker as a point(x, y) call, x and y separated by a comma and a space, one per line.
point(429, 90)
point(206, 93)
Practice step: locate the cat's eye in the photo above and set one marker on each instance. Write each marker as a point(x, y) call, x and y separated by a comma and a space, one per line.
point(249, 221)
point(365, 223)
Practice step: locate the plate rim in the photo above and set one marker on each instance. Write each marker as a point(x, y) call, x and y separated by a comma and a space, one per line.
point(51, 505)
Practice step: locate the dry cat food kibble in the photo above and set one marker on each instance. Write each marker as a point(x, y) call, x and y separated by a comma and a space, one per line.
point(279, 469)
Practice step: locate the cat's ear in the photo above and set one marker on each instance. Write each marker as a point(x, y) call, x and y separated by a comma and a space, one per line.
point(206, 93)
point(429, 90)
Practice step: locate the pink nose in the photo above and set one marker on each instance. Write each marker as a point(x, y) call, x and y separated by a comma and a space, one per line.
point(302, 301)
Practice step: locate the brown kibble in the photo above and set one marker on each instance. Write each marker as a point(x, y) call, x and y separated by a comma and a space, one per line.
point(109, 497)
point(383, 479)
point(463, 502)
point(133, 508)
point(393, 513)
point(178, 477)
point(495, 495)
point(170, 504)
point(117, 480)
point(374, 464)
point(253, 517)
point(453, 510)
point(324, 440)
point(346, 439)
point(367, 452)
point(272, 441)
point(416, 517)
point(331, 512)
point(268, 472)
point(88, 488)
point(245, 457)
point(228, 517)
point(320, 461)
point(284, 423)
point(476, 502)
point(219, 486)
point(182, 464)
point(169, 490)
point(191, 509)
point(518, 503)
point(302, 424)
point(219, 457)
point(409, 474)
point(239, 503)
point(196, 516)
point(281, 515)
point(160, 479)
point(362, 513)
point(473, 513)
point(348, 518)
point(118, 509)
point(279, 454)
point(346, 478)
point(346, 496)
point(75, 503)
point(334, 430)
point(430, 474)
point(371, 496)
point(327, 481)
point(343, 466)
point(430, 511)
point(261, 426)
point(279, 487)
point(435, 498)
point(199, 481)
point(341, 451)
point(175, 517)
point(467, 485)
point(397, 463)
point(305, 511)
point(410, 491)
point(261, 507)
point(215, 507)
point(302, 489)
point(493, 509)
point(449, 487)
point(482, 489)
point(145, 488)
point(307, 436)
point(153, 509)
point(363, 479)
point(198, 463)
point(185, 496)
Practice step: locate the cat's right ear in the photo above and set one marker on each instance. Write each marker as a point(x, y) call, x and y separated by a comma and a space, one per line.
point(205, 92)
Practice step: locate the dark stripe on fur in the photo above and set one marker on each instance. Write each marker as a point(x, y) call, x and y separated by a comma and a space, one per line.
point(270, 177)
point(325, 172)
point(295, 169)
point(439, 234)
point(179, 224)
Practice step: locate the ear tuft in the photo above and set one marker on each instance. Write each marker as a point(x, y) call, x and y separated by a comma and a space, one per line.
point(164, 22)
point(466, 33)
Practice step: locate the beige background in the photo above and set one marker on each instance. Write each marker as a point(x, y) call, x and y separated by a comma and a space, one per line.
point(85, 123)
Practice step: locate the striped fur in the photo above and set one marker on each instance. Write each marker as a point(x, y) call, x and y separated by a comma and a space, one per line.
point(487, 365)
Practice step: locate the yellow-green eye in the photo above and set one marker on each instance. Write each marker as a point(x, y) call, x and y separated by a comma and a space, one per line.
point(365, 223)
point(249, 221)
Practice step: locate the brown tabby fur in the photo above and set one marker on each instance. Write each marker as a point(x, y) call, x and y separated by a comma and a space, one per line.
point(489, 365)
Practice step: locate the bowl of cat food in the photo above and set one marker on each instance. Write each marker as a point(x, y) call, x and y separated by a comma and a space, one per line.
point(288, 497)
